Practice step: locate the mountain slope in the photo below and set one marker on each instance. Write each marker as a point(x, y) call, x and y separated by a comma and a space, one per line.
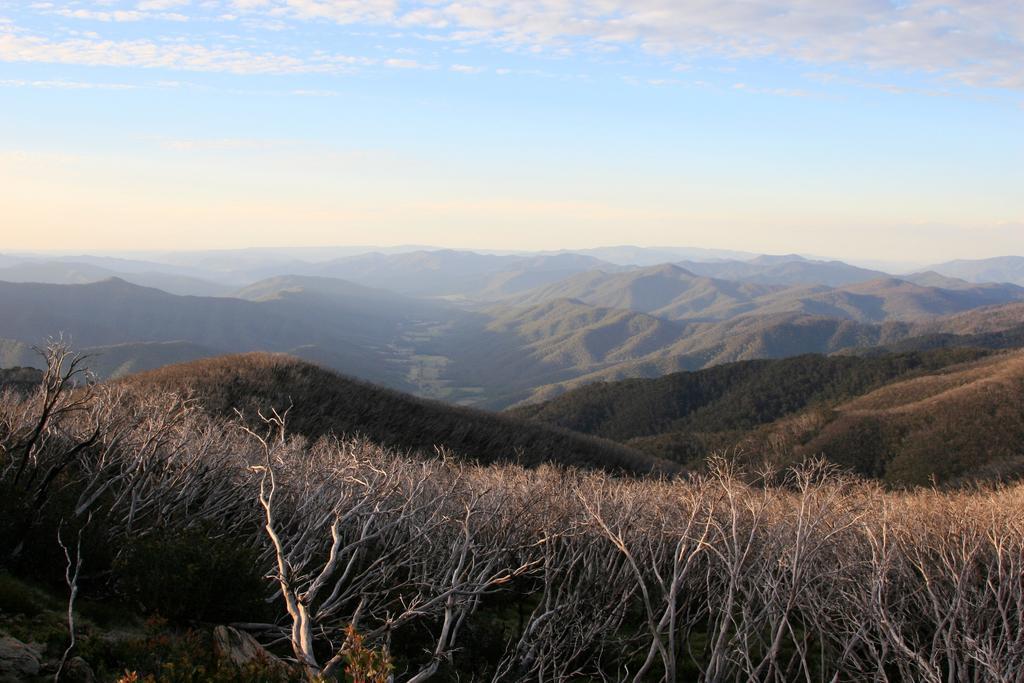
point(584, 335)
point(734, 396)
point(792, 334)
point(886, 299)
point(789, 271)
point(20, 379)
point(495, 356)
point(950, 415)
point(451, 273)
point(363, 313)
point(961, 423)
point(665, 291)
point(627, 255)
point(75, 273)
point(323, 402)
point(116, 313)
point(675, 293)
point(1001, 269)
point(534, 353)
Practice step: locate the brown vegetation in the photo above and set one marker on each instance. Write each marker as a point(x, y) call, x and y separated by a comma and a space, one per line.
point(908, 418)
point(963, 423)
point(556, 573)
point(323, 402)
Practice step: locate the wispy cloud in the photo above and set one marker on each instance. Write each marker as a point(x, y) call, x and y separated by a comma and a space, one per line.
point(775, 92)
point(466, 69)
point(401, 63)
point(119, 15)
point(162, 4)
point(65, 85)
point(975, 43)
point(151, 10)
point(19, 47)
point(967, 42)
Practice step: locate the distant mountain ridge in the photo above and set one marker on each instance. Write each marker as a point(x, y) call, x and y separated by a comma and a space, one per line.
point(77, 273)
point(667, 291)
point(456, 273)
point(498, 354)
point(116, 313)
point(785, 270)
point(494, 329)
point(1000, 269)
point(673, 292)
point(703, 345)
point(627, 255)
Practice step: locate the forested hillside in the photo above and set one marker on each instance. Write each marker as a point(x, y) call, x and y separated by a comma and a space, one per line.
point(815, 405)
point(321, 402)
point(728, 397)
point(962, 423)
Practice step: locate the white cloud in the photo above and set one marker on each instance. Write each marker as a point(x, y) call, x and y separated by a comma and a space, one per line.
point(467, 69)
point(65, 85)
point(775, 92)
point(976, 43)
point(142, 13)
point(18, 47)
point(339, 11)
point(398, 63)
point(972, 42)
point(95, 15)
point(161, 4)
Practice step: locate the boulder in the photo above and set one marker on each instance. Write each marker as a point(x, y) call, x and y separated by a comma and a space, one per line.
point(77, 670)
point(241, 649)
point(18, 661)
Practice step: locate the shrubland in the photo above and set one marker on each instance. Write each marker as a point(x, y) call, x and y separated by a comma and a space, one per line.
point(353, 561)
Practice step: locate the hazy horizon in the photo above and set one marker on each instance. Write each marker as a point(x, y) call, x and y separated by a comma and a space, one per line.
point(319, 252)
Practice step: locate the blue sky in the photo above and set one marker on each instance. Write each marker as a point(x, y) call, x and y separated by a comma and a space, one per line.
point(852, 128)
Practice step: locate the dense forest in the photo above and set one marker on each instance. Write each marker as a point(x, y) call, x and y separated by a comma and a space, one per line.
point(728, 397)
point(773, 408)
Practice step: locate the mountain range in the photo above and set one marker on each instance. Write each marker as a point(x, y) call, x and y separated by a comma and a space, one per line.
point(613, 364)
point(1000, 269)
point(675, 293)
point(492, 330)
point(76, 273)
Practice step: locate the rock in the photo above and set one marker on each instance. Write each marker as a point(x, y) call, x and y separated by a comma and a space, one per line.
point(18, 661)
point(77, 670)
point(240, 648)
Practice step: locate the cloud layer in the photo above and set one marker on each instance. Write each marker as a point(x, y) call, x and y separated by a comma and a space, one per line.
point(971, 42)
point(978, 43)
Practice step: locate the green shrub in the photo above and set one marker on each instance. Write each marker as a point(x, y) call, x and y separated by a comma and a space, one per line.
point(192, 575)
point(168, 656)
point(16, 597)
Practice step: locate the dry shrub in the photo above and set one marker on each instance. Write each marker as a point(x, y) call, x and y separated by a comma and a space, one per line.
point(800, 573)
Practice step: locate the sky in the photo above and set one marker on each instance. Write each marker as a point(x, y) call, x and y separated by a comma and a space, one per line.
point(849, 128)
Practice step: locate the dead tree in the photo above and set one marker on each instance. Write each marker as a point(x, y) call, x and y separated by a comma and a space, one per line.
point(35, 450)
point(375, 546)
point(71, 573)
